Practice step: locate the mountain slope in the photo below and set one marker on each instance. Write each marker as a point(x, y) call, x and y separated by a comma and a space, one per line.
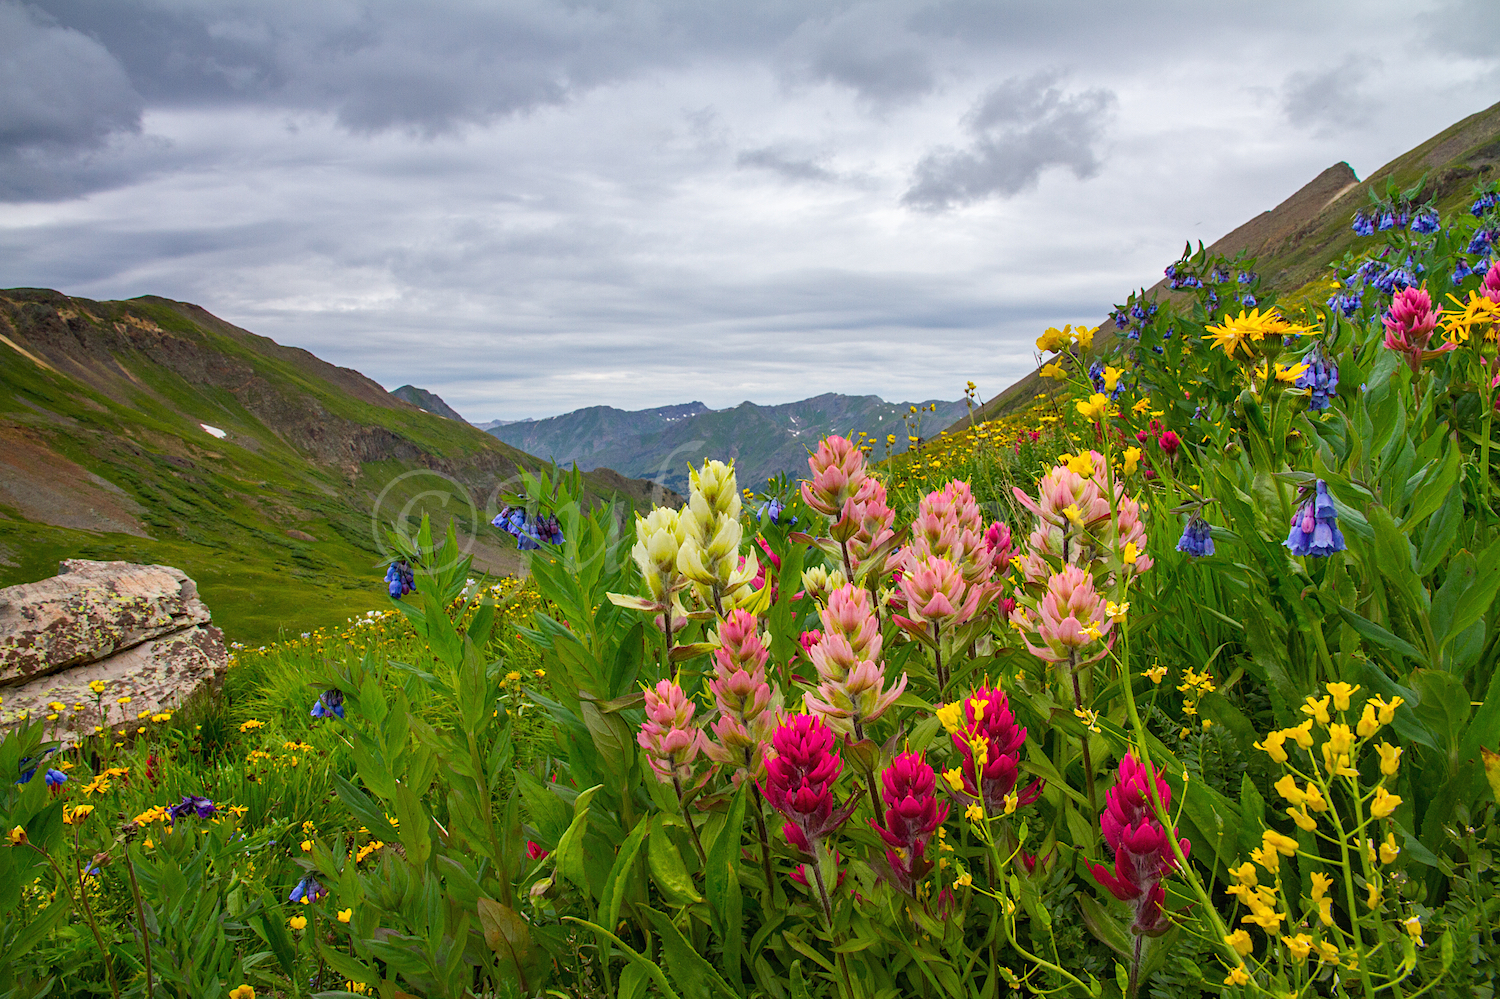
point(763, 440)
point(150, 430)
point(1295, 242)
point(431, 402)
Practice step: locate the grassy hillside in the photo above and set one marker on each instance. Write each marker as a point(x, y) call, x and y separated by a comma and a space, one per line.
point(1295, 242)
point(278, 512)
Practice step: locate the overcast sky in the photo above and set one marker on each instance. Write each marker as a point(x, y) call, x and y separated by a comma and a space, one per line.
point(533, 206)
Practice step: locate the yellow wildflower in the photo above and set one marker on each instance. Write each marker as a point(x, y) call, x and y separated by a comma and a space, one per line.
point(1304, 821)
point(1056, 371)
point(1053, 339)
point(1084, 335)
point(1387, 710)
point(1130, 553)
point(1384, 804)
point(1116, 611)
point(97, 686)
point(1302, 734)
point(1244, 874)
point(1318, 708)
point(974, 813)
point(1012, 802)
point(1111, 377)
point(297, 922)
point(1299, 946)
point(1372, 900)
point(950, 715)
point(1389, 851)
point(1369, 724)
point(1240, 941)
point(1132, 459)
point(955, 779)
point(1072, 513)
point(1414, 929)
point(1156, 673)
point(242, 992)
point(1390, 758)
point(1341, 693)
point(17, 836)
point(964, 880)
point(1288, 789)
point(1247, 329)
point(1095, 407)
point(251, 725)
point(73, 816)
point(1285, 845)
point(345, 915)
point(307, 846)
point(1315, 800)
point(1340, 739)
point(1237, 976)
point(1273, 745)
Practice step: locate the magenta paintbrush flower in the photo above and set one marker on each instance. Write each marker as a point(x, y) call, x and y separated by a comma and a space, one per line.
point(985, 733)
point(1409, 324)
point(1142, 845)
point(799, 780)
point(669, 737)
point(912, 815)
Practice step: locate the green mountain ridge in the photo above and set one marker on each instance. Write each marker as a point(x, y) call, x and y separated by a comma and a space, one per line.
point(1295, 242)
point(430, 401)
point(152, 431)
point(764, 441)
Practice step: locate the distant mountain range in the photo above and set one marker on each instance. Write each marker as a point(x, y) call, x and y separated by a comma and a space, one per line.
point(658, 444)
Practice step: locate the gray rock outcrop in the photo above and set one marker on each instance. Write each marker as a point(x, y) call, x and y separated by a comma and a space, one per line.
point(104, 645)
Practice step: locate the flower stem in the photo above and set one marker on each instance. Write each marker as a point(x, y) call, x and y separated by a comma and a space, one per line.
point(765, 841)
point(140, 921)
point(1088, 759)
point(1135, 968)
point(686, 817)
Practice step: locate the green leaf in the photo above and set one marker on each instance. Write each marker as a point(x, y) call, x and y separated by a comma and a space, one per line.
point(1441, 531)
point(570, 845)
point(1463, 570)
point(546, 809)
point(690, 969)
point(618, 881)
point(612, 740)
point(1443, 704)
point(508, 936)
point(722, 884)
point(1103, 926)
point(1479, 597)
point(1375, 633)
point(1434, 490)
point(667, 868)
point(635, 956)
point(361, 804)
point(269, 925)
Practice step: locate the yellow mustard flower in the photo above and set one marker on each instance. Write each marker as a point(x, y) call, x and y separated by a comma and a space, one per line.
point(1390, 758)
point(298, 922)
point(1384, 803)
point(1095, 407)
point(1241, 942)
point(1341, 692)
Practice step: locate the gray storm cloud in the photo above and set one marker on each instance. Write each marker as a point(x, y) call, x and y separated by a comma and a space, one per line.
point(533, 205)
point(1020, 128)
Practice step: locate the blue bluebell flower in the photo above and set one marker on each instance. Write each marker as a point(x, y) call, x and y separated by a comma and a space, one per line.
point(1484, 204)
point(1461, 270)
point(1348, 304)
point(1391, 220)
point(192, 804)
point(1321, 378)
point(1096, 375)
point(1138, 313)
point(308, 890)
point(1426, 222)
point(1121, 318)
point(56, 778)
point(400, 580)
point(1171, 270)
point(1212, 300)
point(1315, 525)
point(1133, 333)
point(1218, 276)
point(1482, 241)
point(330, 704)
point(1196, 538)
point(1363, 225)
point(1246, 277)
point(1248, 301)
